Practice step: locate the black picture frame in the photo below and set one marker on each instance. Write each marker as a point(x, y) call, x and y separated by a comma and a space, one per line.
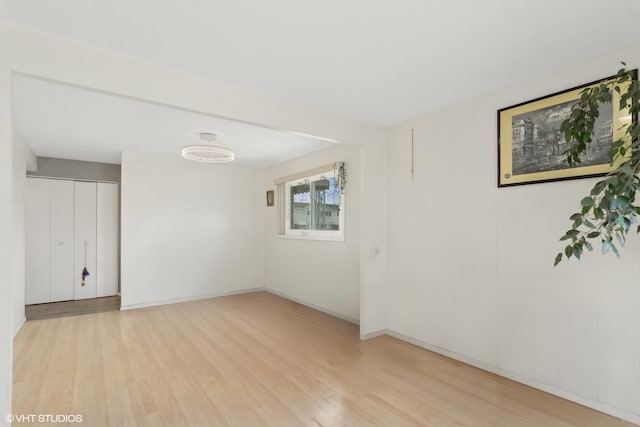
point(531, 147)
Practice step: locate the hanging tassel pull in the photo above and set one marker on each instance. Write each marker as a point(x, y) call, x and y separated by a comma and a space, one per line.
point(85, 273)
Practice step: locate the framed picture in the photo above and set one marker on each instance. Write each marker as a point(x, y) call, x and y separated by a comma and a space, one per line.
point(531, 147)
point(270, 198)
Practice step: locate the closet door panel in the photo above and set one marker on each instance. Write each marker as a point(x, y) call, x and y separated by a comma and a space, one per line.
point(62, 229)
point(107, 214)
point(38, 241)
point(85, 240)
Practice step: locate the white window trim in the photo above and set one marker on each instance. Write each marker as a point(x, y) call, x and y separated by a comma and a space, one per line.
point(329, 235)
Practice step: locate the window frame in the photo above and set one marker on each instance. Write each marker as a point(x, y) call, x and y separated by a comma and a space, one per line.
point(329, 235)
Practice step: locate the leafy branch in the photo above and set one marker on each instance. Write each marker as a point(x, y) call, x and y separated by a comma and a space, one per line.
point(610, 210)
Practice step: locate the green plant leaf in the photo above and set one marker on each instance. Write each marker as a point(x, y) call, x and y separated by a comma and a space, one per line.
point(610, 210)
point(558, 259)
point(615, 250)
point(587, 202)
point(568, 251)
point(598, 213)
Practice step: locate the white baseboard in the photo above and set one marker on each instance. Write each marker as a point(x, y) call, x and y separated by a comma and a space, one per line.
point(19, 326)
point(598, 406)
point(373, 334)
point(187, 299)
point(243, 291)
point(315, 307)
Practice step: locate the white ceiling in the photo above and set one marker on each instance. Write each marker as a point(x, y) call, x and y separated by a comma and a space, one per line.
point(72, 123)
point(377, 61)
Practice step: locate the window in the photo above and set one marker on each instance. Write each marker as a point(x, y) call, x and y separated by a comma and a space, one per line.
point(314, 208)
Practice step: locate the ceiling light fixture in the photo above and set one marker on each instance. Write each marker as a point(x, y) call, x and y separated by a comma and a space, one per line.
point(207, 153)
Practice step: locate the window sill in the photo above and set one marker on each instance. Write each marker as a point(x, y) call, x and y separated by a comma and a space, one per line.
point(312, 236)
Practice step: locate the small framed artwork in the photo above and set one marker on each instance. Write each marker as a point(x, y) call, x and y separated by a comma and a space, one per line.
point(270, 198)
point(532, 149)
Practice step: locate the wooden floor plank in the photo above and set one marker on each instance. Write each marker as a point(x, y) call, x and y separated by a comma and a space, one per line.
point(53, 310)
point(259, 360)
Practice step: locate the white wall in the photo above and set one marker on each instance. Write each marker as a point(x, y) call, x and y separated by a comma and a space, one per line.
point(23, 160)
point(6, 241)
point(322, 274)
point(373, 258)
point(470, 266)
point(189, 230)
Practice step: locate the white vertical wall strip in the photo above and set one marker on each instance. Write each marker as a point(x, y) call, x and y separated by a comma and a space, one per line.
point(38, 241)
point(618, 317)
point(546, 330)
point(62, 240)
point(107, 239)
point(85, 237)
point(7, 246)
point(577, 330)
point(515, 294)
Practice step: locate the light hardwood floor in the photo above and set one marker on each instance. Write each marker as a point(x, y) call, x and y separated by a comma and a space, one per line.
point(258, 359)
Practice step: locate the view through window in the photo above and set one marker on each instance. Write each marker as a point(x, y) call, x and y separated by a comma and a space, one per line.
point(315, 206)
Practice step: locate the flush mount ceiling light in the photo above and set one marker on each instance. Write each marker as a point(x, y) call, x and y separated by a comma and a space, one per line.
point(207, 153)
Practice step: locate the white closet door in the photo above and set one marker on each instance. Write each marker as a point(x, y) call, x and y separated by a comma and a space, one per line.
point(38, 241)
point(62, 253)
point(85, 239)
point(107, 270)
